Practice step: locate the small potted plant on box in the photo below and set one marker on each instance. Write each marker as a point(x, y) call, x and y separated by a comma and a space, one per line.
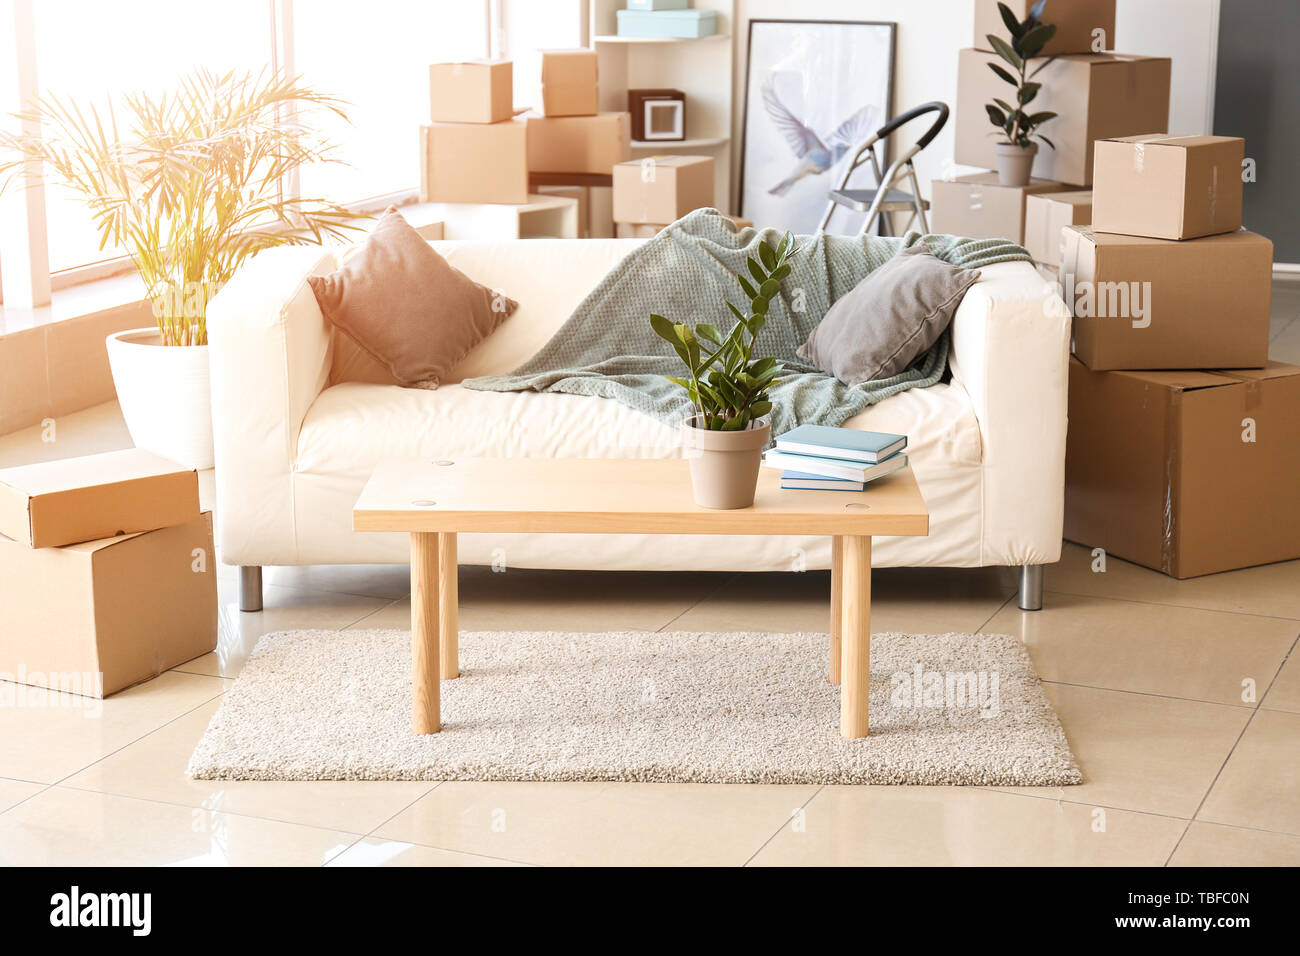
point(1027, 38)
point(728, 388)
point(189, 184)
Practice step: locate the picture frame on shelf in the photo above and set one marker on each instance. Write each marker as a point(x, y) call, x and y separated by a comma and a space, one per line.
point(814, 91)
point(657, 115)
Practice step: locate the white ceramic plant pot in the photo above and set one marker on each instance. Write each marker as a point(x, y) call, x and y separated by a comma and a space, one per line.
point(163, 391)
point(1015, 163)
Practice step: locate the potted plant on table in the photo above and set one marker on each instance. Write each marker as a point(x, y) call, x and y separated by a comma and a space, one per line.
point(1016, 152)
point(189, 184)
point(728, 387)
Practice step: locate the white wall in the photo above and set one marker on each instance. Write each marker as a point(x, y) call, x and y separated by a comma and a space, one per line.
point(930, 32)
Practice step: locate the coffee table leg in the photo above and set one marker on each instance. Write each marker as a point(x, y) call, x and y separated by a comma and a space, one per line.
point(855, 636)
point(837, 609)
point(448, 605)
point(426, 717)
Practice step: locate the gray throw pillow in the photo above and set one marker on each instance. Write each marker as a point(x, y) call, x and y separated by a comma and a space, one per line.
point(889, 319)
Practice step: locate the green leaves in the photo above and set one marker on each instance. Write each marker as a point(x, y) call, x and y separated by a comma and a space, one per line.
point(1003, 49)
point(726, 385)
point(1028, 38)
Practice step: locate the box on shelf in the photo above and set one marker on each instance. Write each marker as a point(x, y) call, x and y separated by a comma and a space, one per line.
point(678, 23)
point(578, 144)
point(1142, 303)
point(1187, 472)
point(569, 79)
point(979, 207)
point(660, 189)
point(1096, 96)
point(127, 608)
point(1076, 24)
point(1047, 214)
point(657, 114)
point(474, 162)
point(1168, 187)
point(475, 91)
point(53, 503)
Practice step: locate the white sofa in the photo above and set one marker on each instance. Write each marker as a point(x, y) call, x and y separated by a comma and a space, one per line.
point(295, 441)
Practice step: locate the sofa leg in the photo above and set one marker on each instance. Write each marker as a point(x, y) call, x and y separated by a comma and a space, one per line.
point(1031, 587)
point(250, 587)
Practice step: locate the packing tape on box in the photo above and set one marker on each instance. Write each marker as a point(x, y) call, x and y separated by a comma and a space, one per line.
point(1254, 394)
point(1139, 157)
point(1214, 193)
point(1173, 403)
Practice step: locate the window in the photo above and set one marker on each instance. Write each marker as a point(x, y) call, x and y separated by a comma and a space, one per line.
point(376, 55)
point(153, 43)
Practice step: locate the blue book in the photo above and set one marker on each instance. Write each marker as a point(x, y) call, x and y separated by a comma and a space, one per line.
point(846, 443)
point(833, 467)
point(803, 481)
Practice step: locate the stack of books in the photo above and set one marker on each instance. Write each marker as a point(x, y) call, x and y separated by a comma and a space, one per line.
point(820, 458)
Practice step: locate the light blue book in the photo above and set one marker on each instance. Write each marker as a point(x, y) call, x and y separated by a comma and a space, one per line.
point(805, 482)
point(833, 467)
point(848, 444)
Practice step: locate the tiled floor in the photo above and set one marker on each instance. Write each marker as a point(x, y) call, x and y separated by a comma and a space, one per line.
point(1149, 676)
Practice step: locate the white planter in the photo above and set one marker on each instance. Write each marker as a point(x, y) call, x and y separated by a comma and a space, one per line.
point(163, 391)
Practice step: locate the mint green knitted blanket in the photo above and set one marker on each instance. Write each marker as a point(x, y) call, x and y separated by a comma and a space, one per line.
point(607, 347)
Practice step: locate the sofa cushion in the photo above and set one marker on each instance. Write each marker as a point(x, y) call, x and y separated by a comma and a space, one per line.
point(403, 304)
point(889, 319)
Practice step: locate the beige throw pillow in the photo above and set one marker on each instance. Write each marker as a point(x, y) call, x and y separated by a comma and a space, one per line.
point(407, 306)
point(889, 319)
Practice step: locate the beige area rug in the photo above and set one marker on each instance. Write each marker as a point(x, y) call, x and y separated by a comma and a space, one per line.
point(679, 706)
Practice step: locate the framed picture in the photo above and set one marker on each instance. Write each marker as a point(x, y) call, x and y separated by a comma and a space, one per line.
point(657, 114)
point(815, 90)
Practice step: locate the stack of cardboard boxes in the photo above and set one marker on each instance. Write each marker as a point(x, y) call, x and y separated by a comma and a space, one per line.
point(1184, 441)
point(477, 150)
point(107, 572)
point(1095, 94)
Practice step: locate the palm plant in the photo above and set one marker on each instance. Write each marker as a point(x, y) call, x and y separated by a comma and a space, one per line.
point(1027, 40)
point(189, 182)
point(727, 386)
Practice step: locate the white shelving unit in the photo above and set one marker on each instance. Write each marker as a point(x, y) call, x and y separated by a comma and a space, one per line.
point(699, 67)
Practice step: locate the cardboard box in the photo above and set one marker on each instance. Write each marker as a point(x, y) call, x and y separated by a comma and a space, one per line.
point(1143, 303)
point(977, 207)
point(661, 189)
point(1046, 215)
point(578, 144)
point(569, 83)
point(97, 617)
point(1097, 96)
point(54, 503)
point(1076, 22)
point(475, 91)
point(1186, 472)
point(473, 162)
point(1168, 187)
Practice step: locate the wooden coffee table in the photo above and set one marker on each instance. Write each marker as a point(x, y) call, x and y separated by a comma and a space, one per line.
point(436, 500)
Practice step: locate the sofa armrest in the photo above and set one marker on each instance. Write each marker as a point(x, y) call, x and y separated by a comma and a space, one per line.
point(269, 350)
point(1010, 349)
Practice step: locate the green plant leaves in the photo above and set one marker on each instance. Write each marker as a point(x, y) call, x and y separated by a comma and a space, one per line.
point(1037, 38)
point(996, 116)
point(1009, 18)
point(1003, 49)
point(726, 386)
point(1003, 73)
